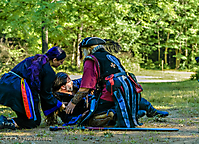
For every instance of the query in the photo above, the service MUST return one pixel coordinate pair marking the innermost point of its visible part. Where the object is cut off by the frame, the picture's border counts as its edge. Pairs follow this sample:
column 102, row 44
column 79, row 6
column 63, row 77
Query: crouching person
column 27, row 84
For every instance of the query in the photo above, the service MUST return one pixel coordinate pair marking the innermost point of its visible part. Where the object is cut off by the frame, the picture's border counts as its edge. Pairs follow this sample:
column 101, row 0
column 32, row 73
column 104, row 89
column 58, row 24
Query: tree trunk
column 158, row 47
column 176, row 58
column 192, row 53
column 166, row 49
column 79, row 37
column 44, row 32
column 165, row 55
column 180, row 51
column 73, row 55
column 186, row 55
column 186, row 49
column 44, row 39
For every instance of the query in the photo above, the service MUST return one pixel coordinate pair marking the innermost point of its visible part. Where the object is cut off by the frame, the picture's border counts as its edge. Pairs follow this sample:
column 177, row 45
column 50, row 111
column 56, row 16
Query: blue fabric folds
column 47, row 112
column 73, row 121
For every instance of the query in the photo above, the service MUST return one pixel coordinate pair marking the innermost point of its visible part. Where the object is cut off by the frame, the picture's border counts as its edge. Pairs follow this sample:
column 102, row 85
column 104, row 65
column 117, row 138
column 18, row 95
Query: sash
column 27, row 98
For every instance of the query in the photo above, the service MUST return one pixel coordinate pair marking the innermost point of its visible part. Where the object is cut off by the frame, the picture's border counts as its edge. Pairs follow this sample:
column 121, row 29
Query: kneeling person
column 100, row 64
column 64, row 89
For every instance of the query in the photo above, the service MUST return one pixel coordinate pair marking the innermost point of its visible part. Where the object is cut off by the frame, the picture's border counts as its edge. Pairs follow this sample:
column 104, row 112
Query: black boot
column 141, row 113
column 151, row 111
column 4, row 123
column 2, row 120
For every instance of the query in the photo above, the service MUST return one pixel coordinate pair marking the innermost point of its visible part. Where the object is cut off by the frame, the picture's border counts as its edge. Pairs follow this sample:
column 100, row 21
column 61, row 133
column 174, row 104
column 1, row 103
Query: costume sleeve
column 89, row 80
column 90, row 75
column 77, row 83
column 48, row 102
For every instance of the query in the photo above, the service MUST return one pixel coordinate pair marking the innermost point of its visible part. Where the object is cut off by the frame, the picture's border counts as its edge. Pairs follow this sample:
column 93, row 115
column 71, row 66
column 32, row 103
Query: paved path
column 139, row 78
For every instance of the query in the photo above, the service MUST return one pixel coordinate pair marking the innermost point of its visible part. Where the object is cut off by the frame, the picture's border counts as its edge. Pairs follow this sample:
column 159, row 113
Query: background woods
column 150, row 32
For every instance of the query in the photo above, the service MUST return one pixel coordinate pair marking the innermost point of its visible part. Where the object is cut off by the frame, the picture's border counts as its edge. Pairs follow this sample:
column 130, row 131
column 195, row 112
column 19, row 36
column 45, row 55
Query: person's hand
column 65, row 103
column 63, row 106
column 70, row 107
column 85, row 113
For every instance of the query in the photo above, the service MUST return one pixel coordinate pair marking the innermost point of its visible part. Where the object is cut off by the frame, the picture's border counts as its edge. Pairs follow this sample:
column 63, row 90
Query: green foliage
column 149, row 65
column 142, row 27
column 131, row 63
column 195, row 76
column 10, row 57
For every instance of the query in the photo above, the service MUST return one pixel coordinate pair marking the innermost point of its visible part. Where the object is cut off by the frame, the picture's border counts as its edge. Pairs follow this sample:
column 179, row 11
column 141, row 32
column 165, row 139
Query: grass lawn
column 180, row 99
column 182, row 96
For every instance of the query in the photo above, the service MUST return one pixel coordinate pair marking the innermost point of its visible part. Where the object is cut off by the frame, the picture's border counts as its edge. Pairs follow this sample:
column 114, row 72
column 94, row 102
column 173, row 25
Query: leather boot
column 151, row 111
column 101, row 119
column 4, row 123
column 141, row 113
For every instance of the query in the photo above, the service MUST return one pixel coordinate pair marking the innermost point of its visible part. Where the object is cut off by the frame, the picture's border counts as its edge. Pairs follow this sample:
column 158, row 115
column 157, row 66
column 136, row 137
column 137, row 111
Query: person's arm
column 89, row 80
column 82, row 92
column 48, row 102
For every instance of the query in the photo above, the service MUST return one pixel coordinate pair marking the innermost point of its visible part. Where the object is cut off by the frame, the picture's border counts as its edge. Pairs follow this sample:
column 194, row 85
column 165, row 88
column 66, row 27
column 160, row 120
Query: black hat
column 108, row 43
column 89, row 41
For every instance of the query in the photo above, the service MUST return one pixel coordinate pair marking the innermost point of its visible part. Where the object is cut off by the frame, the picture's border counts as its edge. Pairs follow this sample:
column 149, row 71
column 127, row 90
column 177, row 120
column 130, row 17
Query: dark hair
column 38, row 61
column 56, row 52
column 33, row 71
column 112, row 46
column 61, row 79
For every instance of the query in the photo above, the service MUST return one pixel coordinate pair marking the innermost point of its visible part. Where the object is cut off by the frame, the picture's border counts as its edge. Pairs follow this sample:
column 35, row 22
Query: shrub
column 195, row 76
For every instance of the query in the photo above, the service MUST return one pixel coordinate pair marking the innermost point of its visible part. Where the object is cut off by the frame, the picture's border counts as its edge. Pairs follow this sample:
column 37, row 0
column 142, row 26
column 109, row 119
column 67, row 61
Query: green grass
column 181, row 96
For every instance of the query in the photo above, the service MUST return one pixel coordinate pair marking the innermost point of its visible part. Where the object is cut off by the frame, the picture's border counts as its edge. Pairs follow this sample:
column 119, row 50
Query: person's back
column 21, row 87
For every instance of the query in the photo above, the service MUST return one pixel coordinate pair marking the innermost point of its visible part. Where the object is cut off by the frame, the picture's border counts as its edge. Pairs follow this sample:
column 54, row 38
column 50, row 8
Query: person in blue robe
column 28, row 84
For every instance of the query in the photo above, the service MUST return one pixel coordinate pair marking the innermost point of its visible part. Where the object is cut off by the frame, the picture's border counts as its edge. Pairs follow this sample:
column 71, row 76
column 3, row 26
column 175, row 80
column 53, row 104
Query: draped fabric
column 126, row 101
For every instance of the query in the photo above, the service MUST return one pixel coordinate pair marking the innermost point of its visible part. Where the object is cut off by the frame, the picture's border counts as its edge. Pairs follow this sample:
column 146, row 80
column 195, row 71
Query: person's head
column 62, row 83
column 56, row 56
column 89, row 43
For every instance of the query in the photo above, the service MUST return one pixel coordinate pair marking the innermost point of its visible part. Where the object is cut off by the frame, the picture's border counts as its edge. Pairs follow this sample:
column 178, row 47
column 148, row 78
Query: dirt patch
column 188, row 133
